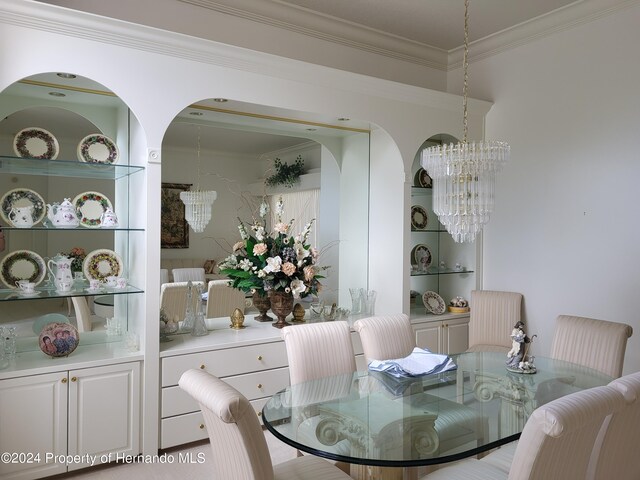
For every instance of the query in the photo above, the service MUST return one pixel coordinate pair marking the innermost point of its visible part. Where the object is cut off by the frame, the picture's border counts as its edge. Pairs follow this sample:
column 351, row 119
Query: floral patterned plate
column 22, row 265
column 100, row 264
column 434, row 303
column 90, row 207
column 422, row 179
column 58, row 339
column 419, row 217
column 97, row 148
column 22, row 197
column 421, row 256
column 34, row 142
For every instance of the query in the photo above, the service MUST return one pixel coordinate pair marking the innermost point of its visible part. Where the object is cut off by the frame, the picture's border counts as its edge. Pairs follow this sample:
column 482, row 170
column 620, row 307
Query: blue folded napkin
column 420, row 362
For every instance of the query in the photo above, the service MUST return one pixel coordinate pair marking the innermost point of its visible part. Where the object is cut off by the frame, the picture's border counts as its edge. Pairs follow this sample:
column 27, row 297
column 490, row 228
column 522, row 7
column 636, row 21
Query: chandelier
column 464, row 174
column 198, row 203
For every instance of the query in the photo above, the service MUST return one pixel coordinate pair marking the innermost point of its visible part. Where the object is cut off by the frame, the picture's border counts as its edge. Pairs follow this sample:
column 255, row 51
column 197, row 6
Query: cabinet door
column 456, row 336
column 33, row 422
column 104, row 412
column 429, row 336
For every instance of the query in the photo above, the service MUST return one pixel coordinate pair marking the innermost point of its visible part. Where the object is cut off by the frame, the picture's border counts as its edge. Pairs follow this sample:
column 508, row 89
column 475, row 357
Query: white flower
column 274, row 264
column 301, row 252
column 279, row 209
column 298, row 287
column 245, row 264
column 264, row 209
column 230, row 262
column 260, row 233
column 262, row 274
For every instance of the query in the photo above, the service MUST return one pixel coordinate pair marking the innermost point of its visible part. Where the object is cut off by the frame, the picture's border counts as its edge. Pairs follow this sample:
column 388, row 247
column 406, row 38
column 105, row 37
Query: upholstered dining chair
column 491, row 319
column 164, row 276
column 239, row 449
column 391, row 336
column 186, row 274
column 173, row 299
column 616, row 452
column 557, row 441
column 222, row 300
column 597, row 344
column 83, row 314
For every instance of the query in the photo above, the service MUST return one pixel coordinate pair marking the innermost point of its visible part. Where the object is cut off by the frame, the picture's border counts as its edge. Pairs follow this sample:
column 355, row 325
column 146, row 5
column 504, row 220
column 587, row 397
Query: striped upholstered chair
column 239, row 449
column 491, row 319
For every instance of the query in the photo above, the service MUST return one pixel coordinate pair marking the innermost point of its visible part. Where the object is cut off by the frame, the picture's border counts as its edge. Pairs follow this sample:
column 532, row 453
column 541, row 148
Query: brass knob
column 259, row 413
column 64, row 380
column 259, row 385
column 202, row 426
column 202, row 367
column 446, row 324
column 74, row 379
column 259, row 357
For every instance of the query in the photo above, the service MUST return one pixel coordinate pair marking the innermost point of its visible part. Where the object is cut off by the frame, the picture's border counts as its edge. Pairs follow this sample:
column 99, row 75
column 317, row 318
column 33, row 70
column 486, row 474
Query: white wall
column 565, row 232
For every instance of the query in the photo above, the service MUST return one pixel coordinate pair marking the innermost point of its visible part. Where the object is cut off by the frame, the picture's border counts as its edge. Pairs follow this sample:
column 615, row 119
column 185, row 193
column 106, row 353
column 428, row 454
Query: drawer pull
column 74, row 379
column 202, row 367
column 259, row 413
column 64, row 380
column 202, row 426
column 260, row 385
column 259, row 357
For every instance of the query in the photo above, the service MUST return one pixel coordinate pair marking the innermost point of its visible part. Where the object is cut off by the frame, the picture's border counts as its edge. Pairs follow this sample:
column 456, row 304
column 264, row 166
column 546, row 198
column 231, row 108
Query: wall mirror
column 238, row 143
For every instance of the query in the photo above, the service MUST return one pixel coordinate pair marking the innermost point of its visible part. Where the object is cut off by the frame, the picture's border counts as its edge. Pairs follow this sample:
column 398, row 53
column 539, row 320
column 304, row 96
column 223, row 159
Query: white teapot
column 63, row 214
column 60, row 269
column 21, row 217
column 108, row 218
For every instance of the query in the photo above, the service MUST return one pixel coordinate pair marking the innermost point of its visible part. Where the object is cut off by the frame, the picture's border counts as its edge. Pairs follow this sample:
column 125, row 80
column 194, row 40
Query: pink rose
column 288, row 269
column 260, row 249
column 281, row 227
column 309, row 272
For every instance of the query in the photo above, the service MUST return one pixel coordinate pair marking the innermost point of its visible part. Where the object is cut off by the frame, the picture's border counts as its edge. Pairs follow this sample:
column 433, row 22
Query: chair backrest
column 222, row 300
column 83, row 313
column 164, row 276
column 317, row 350
column 240, row 451
column 386, row 337
column 492, row 317
column 558, row 438
column 173, row 299
column 186, row 274
column 616, row 452
column 596, row 344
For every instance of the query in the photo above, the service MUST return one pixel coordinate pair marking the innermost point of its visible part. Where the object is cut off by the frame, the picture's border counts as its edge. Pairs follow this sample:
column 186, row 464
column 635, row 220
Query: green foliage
column 287, row 175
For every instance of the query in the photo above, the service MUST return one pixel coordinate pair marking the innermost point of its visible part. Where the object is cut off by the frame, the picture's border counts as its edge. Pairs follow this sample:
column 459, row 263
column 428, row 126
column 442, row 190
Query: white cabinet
column 447, row 335
column 91, row 412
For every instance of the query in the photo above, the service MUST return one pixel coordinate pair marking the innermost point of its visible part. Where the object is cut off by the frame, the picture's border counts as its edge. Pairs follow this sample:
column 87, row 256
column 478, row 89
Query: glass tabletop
column 372, row 418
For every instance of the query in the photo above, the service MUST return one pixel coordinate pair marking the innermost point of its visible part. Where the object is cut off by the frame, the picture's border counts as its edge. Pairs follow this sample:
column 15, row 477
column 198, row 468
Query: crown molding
column 565, row 18
column 331, row 29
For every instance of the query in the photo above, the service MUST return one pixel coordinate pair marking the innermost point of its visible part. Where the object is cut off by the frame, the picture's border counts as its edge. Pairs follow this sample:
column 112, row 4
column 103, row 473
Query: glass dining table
column 374, row 419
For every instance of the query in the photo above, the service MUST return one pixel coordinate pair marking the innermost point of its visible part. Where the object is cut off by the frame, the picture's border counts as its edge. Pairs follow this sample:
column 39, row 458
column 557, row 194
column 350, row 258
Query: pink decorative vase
column 281, row 305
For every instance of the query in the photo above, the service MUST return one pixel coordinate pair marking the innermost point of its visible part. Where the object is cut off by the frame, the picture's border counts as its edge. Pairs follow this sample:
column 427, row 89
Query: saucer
column 62, row 292
column 93, row 290
column 32, row 294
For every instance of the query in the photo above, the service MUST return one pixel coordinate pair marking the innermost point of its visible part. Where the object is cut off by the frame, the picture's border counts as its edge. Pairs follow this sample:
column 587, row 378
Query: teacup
column 63, row 286
column 78, row 276
column 111, row 280
column 121, row 282
column 26, row 286
column 94, row 284
column 20, row 283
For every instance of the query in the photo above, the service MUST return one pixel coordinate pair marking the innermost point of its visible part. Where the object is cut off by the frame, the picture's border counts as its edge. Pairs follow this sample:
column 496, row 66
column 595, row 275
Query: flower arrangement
column 263, row 262
column 286, row 174
column 77, row 256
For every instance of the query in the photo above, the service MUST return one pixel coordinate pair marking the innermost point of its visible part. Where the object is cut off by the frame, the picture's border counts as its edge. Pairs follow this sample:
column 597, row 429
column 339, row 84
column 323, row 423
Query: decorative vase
column 298, row 313
column 263, row 304
column 281, row 305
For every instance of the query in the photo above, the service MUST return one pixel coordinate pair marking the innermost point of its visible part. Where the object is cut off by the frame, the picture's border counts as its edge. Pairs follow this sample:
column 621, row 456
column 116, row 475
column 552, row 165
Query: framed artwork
column 174, row 229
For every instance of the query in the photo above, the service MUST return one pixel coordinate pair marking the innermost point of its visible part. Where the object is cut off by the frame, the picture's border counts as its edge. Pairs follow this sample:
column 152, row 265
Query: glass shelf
column 416, row 191
column 41, row 228
column 11, row 294
column 65, row 168
column 439, row 271
column 429, row 230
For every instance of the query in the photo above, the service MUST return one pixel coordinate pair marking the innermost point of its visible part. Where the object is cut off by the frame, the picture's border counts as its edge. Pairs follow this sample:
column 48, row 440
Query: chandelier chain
column 465, row 68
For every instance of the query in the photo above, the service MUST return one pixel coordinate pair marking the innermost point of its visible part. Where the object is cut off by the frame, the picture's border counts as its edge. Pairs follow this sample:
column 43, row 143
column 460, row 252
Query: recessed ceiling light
column 57, row 94
column 197, row 114
column 343, row 119
column 66, row 75
column 220, row 100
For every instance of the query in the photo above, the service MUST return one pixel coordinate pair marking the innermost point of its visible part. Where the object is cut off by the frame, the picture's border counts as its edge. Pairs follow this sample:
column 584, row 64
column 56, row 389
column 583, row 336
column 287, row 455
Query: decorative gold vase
column 298, row 313
column 281, row 305
column 263, row 304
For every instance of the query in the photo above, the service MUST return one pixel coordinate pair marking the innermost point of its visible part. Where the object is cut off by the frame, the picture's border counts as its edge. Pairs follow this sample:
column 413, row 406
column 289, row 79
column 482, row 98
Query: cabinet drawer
column 223, row 363
column 190, row 427
column 176, row 401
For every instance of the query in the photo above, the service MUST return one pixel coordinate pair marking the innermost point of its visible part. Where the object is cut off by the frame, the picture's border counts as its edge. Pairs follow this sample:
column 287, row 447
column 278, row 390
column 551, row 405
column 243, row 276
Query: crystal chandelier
column 464, row 174
column 198, row 203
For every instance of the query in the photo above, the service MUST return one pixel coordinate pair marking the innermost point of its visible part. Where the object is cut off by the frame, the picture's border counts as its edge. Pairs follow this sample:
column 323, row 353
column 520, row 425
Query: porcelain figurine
column 21, row 217
column 60, row 269
column 63, row 214
column 108, row 218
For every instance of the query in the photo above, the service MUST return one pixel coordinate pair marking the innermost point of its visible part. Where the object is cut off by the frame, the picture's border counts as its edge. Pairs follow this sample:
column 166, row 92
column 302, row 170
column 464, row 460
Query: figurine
column 517, row 359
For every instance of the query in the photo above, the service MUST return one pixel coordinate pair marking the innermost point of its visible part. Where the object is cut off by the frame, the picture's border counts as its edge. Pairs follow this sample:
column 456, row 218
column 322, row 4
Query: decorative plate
column 90, row 207
column 434, row 303
column 34, row 142
column 58, row 339
column 22, row 265
column 422, row 179
column 97, row 148
column 421, row 256
column 100, row 264
column 419, row 218
column 22, row 197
